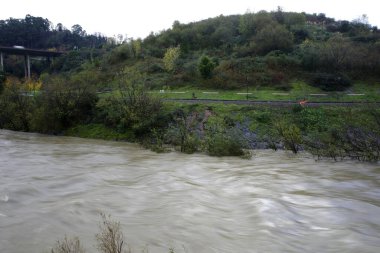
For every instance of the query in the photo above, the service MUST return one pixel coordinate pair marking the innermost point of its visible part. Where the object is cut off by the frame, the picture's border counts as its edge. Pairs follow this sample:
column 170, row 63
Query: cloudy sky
column 140, row 17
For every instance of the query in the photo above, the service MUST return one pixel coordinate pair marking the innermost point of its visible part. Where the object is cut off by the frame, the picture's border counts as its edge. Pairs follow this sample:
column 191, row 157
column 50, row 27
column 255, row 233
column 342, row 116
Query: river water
column 276, row 202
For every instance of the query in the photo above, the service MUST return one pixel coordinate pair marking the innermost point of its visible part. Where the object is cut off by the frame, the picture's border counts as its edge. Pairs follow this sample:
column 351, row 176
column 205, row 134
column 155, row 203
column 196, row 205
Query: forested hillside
column 255, row 49
column 264, row 49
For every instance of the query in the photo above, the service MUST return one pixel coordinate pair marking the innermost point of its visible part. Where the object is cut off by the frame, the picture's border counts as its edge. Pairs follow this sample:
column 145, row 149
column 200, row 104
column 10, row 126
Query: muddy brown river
column 275, row 202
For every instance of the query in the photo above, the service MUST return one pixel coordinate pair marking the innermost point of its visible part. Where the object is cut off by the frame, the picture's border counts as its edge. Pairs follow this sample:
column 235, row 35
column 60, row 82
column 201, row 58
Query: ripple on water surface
column 275, row 202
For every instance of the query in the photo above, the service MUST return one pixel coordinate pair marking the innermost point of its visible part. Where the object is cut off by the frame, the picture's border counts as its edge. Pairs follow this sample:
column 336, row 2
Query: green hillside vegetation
column 265, row 50
column 258, row 51
column 113, row 90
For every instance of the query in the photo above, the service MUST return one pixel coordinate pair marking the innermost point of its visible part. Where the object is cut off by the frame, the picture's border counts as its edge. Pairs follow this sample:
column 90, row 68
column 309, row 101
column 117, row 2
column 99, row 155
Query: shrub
column 111, row 238
column 263, row 117
column 98, row 131
column 328, row 144
column 224, row 141
column 133, row 108
column 352, row 142
column 312, row 119
column 120, row 53
column 155, row 141
column 16, row 108
column 182, row 131
column 206, row 66
column 70, row 61
column 68, row 245
column 362, row 144
column 155, row 68
column 63, row 104
column 278, row 60
column 110, row 113
column 290, row 135
column 331, row 82
column 223, row 144
column 190, row 144
column 273, row 37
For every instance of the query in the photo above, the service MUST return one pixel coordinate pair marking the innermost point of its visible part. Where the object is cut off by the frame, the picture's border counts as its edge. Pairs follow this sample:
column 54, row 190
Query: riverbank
column 217, row 129
column 329, row 131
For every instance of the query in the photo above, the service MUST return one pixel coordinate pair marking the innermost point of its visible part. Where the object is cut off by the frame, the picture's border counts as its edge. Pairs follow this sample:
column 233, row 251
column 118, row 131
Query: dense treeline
column 38, row 32
column 264, row 49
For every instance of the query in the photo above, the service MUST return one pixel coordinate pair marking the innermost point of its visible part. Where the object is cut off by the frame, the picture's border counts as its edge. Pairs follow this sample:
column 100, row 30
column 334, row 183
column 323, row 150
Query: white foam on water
column 4, row 198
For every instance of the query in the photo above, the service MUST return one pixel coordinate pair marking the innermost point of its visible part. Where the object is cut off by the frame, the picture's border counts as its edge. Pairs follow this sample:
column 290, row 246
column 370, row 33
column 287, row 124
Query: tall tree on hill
column 338, row 51
column 170, row 58
column 206, row 66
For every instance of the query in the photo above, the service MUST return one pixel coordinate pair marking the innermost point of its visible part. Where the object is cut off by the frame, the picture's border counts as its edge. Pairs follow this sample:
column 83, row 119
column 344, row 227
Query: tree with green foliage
column 16, row 109
column 224, row 139
column 181, row 131
column 331, row 82
column 171, row 57
column 262, row 19
column 246, row 24
column 63, row 103
column 251, row 23
column 290, row 135
column 78, row 30
column 310, row 54
column 206, row 66
column 294, row 19
column 133, row 108
column 120, row 53
column 273, row 37
column 338, row 51
column 136, row 47
column 279, row 15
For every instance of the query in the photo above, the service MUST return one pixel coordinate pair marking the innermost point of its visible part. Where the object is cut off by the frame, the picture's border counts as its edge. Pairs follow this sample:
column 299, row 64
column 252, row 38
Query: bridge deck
column 30, row 52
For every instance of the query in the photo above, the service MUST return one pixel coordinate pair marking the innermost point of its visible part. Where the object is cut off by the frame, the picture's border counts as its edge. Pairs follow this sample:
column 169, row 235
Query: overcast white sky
column 138, row 18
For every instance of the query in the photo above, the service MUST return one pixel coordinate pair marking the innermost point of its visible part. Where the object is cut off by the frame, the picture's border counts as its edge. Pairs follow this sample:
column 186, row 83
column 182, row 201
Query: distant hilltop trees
column 38, row 32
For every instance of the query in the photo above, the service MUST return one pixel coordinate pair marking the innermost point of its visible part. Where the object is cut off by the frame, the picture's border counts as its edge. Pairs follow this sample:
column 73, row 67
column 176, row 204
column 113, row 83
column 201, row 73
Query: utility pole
column 246, row 81
column 27, row 66
column 1, row 62
column 28, row 62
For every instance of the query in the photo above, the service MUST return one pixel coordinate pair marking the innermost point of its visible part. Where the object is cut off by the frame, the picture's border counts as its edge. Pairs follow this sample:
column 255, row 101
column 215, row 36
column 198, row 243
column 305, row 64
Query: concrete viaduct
column 27, row 53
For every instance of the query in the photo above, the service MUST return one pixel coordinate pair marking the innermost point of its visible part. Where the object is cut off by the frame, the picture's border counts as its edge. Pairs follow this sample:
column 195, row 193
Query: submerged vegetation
column 110, row 239
column 104, row 87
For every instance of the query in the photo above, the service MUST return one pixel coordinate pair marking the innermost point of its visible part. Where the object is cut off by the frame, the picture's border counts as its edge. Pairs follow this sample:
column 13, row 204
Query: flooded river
column 276, row 202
